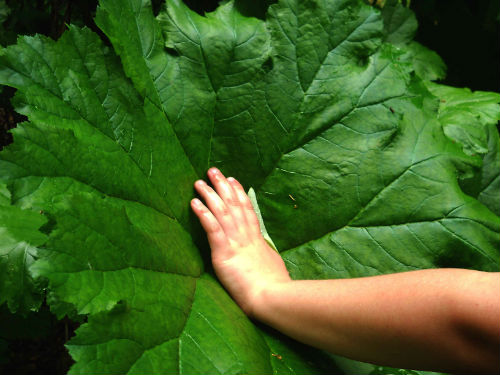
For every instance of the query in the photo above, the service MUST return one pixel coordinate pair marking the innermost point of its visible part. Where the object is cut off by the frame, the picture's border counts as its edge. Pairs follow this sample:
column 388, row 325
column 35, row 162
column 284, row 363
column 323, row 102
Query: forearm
column 412, row 319
column 436, row 319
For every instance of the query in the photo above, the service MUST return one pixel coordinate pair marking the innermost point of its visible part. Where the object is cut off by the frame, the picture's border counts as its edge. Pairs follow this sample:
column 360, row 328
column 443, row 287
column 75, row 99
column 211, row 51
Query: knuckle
column 237, row 185
column 231, row 201
column 224, row 211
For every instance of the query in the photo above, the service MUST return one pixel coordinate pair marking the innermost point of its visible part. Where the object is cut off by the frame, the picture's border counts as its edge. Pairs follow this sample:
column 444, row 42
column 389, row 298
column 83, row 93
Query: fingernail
column 196, row 202
column 213, row 170
column 230, row 179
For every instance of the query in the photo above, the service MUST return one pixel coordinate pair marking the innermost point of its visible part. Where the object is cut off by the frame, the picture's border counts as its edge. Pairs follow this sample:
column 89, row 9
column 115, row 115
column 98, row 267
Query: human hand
column 243, row 261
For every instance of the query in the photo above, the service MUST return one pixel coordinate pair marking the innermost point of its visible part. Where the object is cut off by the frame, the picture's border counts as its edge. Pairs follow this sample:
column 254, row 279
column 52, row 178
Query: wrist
column 266, row 298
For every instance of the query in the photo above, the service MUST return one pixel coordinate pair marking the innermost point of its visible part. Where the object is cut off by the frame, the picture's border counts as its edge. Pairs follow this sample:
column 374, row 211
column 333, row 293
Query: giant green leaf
column 342, row 144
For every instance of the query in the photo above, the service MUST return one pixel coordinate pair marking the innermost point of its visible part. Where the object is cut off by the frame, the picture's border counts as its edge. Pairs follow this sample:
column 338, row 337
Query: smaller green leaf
column 464, row 115
column 400, row 26
column 20, row 237
column 485, row 184
column 400, row 23
column 263, row 230
column 427, row 63
column 490, row 173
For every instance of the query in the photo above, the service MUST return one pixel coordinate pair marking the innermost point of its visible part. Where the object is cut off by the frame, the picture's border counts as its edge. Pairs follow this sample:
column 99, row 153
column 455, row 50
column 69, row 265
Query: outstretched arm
column 441, row 319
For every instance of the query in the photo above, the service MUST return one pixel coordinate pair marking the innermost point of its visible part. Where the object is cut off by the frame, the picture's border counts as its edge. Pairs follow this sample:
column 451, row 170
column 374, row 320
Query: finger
column 246, row 205
column 216, row 236
column 222, row 187
column 228, row 195
column 216, row 206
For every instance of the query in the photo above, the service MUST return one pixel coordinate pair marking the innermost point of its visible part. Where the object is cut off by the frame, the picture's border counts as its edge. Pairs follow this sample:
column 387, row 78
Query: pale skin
column 440, row 319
